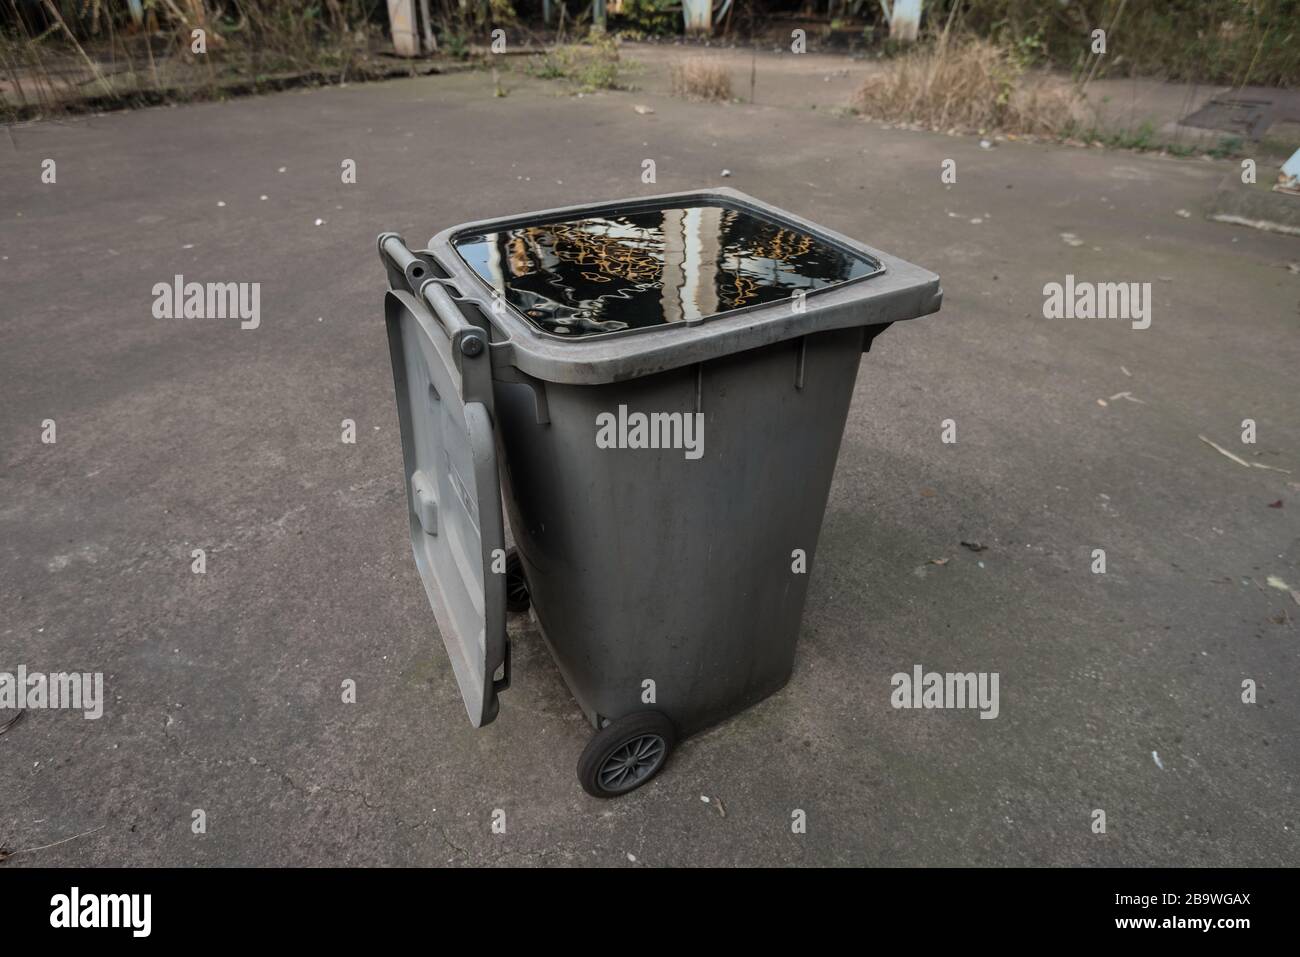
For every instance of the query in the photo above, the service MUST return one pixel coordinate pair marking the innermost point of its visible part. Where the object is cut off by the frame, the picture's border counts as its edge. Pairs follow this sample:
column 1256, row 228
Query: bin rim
column 895, row 291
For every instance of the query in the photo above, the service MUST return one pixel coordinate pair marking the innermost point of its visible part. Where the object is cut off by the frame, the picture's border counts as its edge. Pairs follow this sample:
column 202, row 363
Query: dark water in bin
column 603, row 274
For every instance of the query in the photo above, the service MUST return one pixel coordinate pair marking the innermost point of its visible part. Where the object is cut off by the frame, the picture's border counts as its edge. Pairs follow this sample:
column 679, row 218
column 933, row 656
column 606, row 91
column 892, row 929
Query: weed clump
column 591, row 65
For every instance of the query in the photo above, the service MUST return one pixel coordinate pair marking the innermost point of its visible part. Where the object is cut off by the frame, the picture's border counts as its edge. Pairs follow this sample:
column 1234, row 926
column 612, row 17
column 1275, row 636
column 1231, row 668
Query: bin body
column 648, row 565
column 642, row 564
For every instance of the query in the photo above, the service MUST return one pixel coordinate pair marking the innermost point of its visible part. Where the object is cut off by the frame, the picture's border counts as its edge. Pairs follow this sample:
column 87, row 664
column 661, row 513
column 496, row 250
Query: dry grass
column 699, row 78
column 970, row 85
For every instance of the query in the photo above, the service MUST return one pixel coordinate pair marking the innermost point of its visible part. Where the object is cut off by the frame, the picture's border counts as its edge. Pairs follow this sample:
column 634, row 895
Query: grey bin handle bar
column 433, row 291
column 414, row 275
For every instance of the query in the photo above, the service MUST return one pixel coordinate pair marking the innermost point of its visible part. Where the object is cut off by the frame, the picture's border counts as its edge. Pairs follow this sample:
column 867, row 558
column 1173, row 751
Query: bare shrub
column 969, row 84
column 699, row 78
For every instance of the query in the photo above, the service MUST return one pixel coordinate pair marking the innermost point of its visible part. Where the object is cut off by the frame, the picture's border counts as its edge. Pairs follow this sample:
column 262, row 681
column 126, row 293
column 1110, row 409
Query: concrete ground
column 1120, row 692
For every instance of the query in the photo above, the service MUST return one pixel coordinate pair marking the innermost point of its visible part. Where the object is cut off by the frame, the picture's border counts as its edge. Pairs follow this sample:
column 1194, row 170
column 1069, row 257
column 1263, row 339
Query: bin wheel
column 625, row 754
column 516, row 584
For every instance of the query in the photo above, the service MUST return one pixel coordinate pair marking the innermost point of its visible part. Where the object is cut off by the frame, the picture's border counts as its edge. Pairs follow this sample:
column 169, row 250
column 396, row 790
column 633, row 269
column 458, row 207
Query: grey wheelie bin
column 655, row 388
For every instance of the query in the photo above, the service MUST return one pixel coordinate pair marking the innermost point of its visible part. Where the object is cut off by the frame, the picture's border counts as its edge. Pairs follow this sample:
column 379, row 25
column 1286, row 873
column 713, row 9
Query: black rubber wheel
column 625, row 754
column 516, row 584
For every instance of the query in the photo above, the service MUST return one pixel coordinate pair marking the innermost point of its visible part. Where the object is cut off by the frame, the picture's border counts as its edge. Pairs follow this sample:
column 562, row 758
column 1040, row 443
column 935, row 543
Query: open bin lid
column 453, row 492
column 611, row 291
